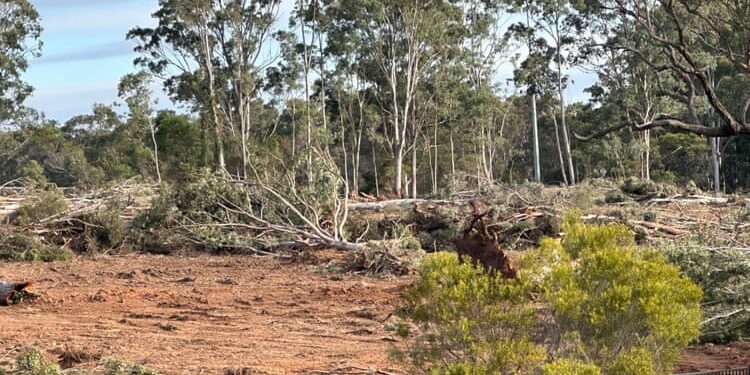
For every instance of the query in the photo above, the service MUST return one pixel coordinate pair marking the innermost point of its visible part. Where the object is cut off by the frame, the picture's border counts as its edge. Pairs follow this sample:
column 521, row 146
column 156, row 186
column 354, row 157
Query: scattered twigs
column 646, row 224
column 697, row 199
column 398, row 203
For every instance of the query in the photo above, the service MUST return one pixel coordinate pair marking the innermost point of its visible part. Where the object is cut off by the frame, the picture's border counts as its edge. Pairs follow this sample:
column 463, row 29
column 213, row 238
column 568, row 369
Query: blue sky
column 85, row 54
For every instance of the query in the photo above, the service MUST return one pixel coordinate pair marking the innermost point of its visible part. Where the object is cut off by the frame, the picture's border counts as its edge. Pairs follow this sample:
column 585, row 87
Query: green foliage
column 686, row 155
column 179, row 141
column 615, row 196
column 32, row 362
column 570, row 367
column 103, row 229
column 640, row 187
column 210, row 198
column 34, row 174
column 63, row 160
column 19, row 41
column 582, row 197
column 462, row 309
column 619, row 297
column 623, row 308
column 116, row 367
column 580, row 237
column 724, row 275
column 44, row 204
column 20, row 247
column 635, row 361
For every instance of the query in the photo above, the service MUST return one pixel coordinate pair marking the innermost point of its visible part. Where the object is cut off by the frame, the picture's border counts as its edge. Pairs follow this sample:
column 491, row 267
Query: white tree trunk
column 535, row 135
column 156, row 148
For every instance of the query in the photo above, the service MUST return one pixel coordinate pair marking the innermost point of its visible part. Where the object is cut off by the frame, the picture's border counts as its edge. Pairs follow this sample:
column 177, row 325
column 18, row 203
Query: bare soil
column 205, row 314
column 211, row 314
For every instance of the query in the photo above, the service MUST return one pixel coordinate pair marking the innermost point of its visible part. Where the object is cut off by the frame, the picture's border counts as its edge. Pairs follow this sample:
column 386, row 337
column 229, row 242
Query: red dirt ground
column 208, row 314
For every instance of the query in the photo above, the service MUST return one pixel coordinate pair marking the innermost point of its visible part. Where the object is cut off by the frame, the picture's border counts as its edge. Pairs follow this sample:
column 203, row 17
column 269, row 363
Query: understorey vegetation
column 382, row 130
column 33, row 361
column 593, row 303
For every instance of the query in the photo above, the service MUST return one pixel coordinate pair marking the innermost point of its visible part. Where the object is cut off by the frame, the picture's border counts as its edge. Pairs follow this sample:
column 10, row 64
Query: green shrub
column 570, row 367
column 724, row 275
column 621, row 298
column 615, row 196
column 20, row 247
column 116, row 367
column 32, row 362
column 44, row 204
column 640, row 187
column 34, row 174
column 459, row 308
column 582, row 197
column 104, row 229
column 592, row 296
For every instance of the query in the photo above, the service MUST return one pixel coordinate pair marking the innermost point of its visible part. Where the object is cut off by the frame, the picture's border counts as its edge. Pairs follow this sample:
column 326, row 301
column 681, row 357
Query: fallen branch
column 403, row 202
column 646, row 224
column 714, row 201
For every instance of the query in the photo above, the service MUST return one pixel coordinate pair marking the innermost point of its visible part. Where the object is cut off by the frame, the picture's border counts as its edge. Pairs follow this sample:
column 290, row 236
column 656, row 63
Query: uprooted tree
column 277, row 207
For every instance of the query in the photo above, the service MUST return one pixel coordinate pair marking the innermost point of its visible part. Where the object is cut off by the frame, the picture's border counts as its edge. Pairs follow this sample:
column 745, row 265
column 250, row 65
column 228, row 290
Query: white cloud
column 117, row 16
column 96, row 52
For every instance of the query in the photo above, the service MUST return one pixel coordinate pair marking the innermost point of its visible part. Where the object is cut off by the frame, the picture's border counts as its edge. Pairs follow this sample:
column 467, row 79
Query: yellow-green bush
column 472, row 322
column 115, row 367
column 567, row 366
column 620, row 298
column 32, row 362
column 593, row 303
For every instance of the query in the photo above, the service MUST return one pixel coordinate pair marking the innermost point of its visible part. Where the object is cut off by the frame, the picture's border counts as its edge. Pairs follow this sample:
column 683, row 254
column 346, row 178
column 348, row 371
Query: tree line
column 402, row 98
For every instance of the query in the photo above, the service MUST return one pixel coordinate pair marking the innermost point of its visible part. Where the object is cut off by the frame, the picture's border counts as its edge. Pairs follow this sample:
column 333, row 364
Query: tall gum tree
column 399, row 42
column 559, row 25
column 691, row 39
column 211, row 53
column 19, row 40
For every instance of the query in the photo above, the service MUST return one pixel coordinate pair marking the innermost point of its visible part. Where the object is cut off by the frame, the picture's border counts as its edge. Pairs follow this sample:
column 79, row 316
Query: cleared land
column 210, row 314
column 207, row 314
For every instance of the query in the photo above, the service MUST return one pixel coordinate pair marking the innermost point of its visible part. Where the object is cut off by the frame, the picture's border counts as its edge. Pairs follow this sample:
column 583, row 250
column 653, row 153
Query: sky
column 85, row 54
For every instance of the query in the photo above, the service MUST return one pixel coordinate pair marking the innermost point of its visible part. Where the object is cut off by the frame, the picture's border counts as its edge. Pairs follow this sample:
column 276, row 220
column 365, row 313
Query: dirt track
column 203, row 314
column 208, row 314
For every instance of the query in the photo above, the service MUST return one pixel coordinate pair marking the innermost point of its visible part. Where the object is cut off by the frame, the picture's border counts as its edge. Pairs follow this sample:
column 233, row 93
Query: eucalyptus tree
column 691, row 39
column 535, row 72
column 212, row 54
column 401, row 47
column 135, row 89
column 557, row 27
column 629, row 84
column 20, row 31
column 688, row 46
